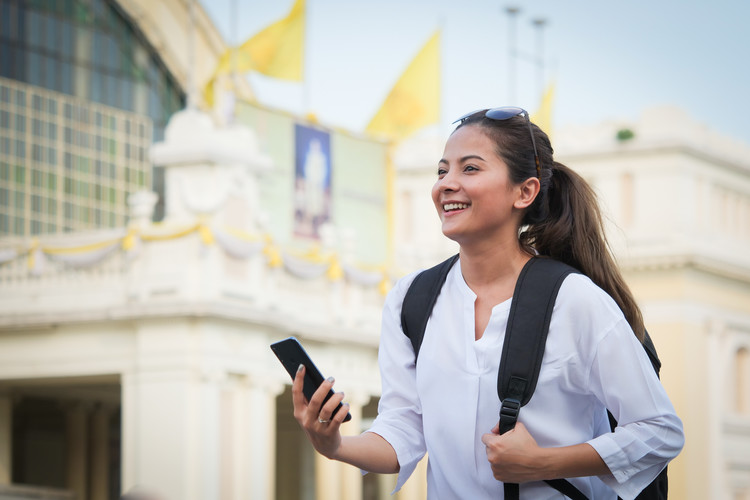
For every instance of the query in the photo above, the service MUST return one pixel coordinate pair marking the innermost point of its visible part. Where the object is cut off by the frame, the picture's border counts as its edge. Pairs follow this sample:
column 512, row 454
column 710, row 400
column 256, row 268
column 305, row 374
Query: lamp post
column 539, row 24
column 512, row 12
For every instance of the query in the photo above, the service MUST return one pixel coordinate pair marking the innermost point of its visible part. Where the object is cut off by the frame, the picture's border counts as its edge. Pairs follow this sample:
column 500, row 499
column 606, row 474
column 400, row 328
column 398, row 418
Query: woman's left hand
column 514, row 456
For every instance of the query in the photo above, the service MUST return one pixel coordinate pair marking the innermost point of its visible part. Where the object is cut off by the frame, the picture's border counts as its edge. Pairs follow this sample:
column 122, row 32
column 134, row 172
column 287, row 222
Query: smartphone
column 291, row 354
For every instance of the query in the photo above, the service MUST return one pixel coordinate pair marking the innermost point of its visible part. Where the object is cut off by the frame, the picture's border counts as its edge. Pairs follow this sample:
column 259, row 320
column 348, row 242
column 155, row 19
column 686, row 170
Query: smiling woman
column 501, row 196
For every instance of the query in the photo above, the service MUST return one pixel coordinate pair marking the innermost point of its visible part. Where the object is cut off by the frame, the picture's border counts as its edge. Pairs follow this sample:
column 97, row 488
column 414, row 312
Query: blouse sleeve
column 399, row 419
column 649, row 433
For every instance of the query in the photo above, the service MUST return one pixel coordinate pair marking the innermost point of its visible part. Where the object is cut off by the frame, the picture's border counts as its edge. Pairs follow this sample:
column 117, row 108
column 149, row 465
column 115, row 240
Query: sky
column 608, row 60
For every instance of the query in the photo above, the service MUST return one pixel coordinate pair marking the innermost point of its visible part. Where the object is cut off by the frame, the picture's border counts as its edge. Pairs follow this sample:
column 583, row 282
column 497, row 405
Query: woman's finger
column 316, row 402
column 326, row 412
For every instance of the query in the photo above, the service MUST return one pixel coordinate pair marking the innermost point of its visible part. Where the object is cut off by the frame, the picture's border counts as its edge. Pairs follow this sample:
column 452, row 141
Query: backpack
column 525, row 336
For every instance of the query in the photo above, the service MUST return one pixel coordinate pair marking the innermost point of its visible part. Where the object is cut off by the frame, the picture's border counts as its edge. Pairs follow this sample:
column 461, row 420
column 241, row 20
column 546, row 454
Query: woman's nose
column 449, row 182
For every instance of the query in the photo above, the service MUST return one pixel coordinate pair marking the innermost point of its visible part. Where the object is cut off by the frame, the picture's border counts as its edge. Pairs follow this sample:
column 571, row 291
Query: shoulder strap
column 528, row 324
column 420, row 299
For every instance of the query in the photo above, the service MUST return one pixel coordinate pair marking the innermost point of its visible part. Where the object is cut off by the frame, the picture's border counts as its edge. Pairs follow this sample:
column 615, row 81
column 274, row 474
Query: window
column 742, row 381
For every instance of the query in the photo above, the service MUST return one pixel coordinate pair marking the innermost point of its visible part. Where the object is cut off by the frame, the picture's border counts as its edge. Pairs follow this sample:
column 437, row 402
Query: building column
column 6, row 432
column 336, row 480
column 77, row 446
column 261, row 438
column 99, row 478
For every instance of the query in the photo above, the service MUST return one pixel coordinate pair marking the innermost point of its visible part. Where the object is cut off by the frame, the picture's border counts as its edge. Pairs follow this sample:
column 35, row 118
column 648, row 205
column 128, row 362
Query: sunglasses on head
column 504, row 113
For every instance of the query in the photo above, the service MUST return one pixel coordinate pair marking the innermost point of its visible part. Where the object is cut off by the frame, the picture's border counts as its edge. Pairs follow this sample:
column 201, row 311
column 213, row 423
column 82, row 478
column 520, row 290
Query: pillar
column 6, row 434
column 77, row 445
column 99, row 477
column 336, row 480
column 261, row 438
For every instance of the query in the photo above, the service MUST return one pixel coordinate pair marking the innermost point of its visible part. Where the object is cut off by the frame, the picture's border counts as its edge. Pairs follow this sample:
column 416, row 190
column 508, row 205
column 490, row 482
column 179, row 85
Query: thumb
column 496, row 429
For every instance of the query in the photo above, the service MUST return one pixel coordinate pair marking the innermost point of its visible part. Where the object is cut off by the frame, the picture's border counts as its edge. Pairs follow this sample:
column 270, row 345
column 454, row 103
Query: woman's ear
column 526, row 193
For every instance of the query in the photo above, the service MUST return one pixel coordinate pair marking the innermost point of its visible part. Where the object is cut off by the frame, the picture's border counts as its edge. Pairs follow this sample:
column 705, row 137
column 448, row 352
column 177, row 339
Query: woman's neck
column 492, row 265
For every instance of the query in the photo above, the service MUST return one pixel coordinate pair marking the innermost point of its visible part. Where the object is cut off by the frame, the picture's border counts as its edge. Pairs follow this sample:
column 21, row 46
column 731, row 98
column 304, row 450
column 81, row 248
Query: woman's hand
column 315, row 417
column 515, row 457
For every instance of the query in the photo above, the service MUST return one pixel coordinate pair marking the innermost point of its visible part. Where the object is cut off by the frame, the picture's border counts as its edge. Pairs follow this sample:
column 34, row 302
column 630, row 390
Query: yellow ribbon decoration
column 272, row 253
column 32, row 251
column 385, row 285
column 82, row 249
column 335, row 272
column 128, row 242
column 179, row 234
column 207, row 237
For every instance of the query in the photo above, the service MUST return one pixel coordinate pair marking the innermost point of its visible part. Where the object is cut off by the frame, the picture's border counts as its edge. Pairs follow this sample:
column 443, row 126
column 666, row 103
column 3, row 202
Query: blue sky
column 610, row 60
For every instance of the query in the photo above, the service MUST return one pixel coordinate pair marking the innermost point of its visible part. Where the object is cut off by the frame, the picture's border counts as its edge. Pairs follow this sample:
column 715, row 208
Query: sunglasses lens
column 504, row 113
column 466, row 116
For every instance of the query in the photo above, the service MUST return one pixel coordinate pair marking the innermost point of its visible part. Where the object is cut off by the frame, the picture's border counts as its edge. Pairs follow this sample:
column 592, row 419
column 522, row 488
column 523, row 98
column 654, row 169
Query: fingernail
column 330, row 379
column 300, row 367
column 342, row 394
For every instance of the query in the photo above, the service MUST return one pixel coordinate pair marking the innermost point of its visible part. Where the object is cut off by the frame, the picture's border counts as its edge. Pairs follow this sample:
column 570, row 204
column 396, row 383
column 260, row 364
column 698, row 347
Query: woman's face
column 473, row 194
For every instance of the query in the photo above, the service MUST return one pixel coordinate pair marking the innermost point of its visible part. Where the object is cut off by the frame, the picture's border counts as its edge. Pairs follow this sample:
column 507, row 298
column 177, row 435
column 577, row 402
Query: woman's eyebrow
column 463, row 159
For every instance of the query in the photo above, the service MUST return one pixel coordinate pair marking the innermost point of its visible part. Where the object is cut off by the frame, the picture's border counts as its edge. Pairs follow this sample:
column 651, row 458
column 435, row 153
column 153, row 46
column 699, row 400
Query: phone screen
column 291, row 354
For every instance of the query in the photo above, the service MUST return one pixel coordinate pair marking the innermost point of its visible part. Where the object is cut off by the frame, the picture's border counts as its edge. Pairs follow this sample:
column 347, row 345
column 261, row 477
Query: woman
column 502, row 198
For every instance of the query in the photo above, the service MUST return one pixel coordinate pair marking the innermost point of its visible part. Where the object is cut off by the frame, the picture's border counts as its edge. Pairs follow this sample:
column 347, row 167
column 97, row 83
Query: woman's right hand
column 315, row 417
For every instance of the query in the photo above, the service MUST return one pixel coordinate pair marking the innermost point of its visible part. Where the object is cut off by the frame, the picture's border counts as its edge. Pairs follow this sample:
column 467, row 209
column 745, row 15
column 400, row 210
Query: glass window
column 20, row 98
column 20, row 175
column 20, row 148
column 4, row 171
column 36, row 127
column 21, row 124
column 68, row 135
column 6, row 63
column 4, row 93
column 36, row 227
column 51, row 72
column 51, row 227
column 52, row 182
column 68, row 186
column 36, row 178
column 68, row 160
column 4, row 197
column 19, row 200
column 18, row 226
column 66, row 46
column 36, row 203
column 51, row 131
column 36, row 152
column 4, row 119
column 33, row 29
column 51, row 206
column 36, row 102
column 52, row 156
column 112, row 196
column 68, row 208
column 51, row 27
column 34, row 69
column 4, row 224
column 4, row 144
column 5, row 19
column 52, row 106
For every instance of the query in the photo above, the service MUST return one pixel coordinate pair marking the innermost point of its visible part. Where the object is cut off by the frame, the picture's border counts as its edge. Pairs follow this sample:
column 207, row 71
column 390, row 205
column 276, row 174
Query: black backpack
column 525, row 337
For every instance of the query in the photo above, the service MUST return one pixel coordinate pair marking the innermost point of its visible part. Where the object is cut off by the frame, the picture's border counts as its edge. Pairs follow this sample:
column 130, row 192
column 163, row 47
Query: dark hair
column 564, row 221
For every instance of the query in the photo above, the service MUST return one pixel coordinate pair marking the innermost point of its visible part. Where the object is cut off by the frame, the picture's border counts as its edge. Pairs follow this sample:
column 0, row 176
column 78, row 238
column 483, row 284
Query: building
column 85, row 87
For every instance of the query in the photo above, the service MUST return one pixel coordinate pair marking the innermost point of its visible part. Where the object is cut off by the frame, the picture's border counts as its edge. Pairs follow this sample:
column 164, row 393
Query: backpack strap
column 526, row 334
column 419, row 300
column 523, row 349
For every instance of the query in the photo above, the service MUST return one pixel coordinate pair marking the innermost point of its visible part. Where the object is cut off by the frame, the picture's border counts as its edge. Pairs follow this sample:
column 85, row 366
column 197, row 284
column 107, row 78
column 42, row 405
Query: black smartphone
column 291, row 354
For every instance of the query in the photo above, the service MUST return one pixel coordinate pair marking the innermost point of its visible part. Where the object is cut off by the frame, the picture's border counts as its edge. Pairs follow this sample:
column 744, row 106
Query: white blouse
column 592, row 362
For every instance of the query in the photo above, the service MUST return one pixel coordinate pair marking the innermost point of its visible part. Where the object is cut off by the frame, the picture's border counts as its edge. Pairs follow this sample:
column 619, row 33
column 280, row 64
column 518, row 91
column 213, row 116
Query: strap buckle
column 509, row 411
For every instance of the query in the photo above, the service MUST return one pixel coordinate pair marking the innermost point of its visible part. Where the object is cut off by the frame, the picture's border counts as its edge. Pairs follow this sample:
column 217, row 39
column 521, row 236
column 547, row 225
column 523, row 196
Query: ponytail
column 571, row 230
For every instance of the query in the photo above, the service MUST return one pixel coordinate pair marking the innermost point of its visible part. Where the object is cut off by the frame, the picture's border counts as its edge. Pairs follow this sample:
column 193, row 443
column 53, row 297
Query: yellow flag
column 543, row 115
column 278, row 50
column 415, row 99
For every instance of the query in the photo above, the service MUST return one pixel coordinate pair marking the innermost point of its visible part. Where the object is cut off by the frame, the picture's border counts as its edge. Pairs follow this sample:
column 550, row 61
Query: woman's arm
column 515, row 457
column 367, row 451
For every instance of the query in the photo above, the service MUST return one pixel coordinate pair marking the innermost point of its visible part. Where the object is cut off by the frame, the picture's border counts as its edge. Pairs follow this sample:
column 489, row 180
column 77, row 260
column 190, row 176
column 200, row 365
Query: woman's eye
column 470, row 168
column 441, row 172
